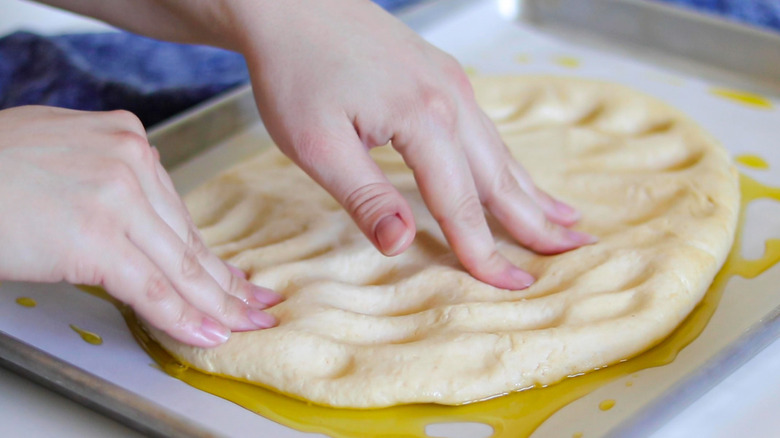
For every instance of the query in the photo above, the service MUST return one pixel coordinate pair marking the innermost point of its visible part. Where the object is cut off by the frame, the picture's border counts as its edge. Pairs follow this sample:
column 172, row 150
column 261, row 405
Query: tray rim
column 756, row 70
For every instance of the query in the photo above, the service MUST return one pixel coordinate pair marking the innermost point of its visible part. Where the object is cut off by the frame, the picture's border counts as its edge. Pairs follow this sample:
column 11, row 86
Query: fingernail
column 520, row 278
column 214, row 331
column 391, row 234
column 580, row 238
column 566, row 209
column 266, row 296
column 261, row 319
column 236, row 271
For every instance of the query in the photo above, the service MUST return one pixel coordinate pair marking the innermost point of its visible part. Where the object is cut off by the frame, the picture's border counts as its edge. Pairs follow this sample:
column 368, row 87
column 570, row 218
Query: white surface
column 34, row 17
column 744, row 404
column 27, row 409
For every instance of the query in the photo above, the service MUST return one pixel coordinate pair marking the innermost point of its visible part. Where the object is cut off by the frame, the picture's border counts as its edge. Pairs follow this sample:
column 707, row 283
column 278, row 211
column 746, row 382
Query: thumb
column 344, row 168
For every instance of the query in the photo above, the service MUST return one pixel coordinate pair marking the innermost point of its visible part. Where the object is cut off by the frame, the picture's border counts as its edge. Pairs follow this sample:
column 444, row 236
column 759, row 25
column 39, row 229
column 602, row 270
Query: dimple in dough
column 362, row 330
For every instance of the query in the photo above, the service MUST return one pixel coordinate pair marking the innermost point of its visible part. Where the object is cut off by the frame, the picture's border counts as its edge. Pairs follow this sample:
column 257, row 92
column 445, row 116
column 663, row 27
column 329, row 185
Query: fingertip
column 511, row 278
column 265, row 296
column 393, row 235
column 501, row 273
column 212, row 332
column 566, row 211
column 517, row 279
column 262, row 319
column 579, row 238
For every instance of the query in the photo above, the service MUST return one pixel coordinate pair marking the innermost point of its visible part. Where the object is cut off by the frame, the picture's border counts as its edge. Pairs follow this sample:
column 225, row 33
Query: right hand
column 84, row 199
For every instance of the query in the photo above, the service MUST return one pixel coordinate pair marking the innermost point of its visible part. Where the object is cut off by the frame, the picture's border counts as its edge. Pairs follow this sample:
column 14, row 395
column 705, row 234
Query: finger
column 517, row 210
column 161, row 194
column 554, row 210
column 224, row 274
column 343, row 167
column 181, row 265
column 521, row 215
column 448, row 189
column 135, row 280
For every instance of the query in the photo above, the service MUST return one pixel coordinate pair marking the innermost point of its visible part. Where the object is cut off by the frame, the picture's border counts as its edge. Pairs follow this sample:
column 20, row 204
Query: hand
column 84, row 198
column 333, row 78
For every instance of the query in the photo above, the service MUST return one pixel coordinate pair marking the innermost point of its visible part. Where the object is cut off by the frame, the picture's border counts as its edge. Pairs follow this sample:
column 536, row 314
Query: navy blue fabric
column 764, row 13
column 156, row 80
column 107, row 71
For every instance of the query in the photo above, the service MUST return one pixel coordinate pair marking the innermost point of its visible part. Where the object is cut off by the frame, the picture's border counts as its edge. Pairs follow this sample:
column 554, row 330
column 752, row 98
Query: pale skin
column 84, row 199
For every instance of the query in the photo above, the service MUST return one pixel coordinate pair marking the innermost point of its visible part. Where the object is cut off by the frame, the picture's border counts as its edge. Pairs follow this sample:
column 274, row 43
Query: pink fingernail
column 266, row 296
column 214, row 331
column 261, row 319
column 236, row 271
column 580, row 238
column 391, row 234
column 520, row 278
column 566, row 209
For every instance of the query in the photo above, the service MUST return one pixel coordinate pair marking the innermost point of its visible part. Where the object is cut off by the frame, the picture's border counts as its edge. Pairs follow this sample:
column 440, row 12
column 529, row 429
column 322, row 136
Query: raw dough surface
column 362, row 330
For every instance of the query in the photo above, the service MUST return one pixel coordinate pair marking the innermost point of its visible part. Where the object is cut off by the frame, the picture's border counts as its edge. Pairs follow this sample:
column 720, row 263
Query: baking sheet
column 485, row 43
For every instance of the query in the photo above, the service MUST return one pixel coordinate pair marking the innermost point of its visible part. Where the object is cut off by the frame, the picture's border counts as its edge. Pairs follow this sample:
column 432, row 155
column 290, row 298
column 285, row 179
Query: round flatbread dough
column 362, row 330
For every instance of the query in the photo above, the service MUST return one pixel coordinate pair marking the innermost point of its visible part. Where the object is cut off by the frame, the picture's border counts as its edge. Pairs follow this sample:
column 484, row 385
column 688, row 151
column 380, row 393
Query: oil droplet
column 743, row 97
column 629, row 383
column 567, row 61
column 752, row 161
column 88, row 337
column 470, row 70
column 26, row 302
column 576, row 435
column 522, row 59
column 514, row 415
column 607, row 404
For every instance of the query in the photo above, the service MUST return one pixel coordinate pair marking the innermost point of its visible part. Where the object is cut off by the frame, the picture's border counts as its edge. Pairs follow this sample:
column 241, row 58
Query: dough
column 362, row 330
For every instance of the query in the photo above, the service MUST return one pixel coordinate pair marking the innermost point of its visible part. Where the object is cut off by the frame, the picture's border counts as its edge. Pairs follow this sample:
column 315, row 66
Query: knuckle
column 227, row 306
column 190, row 265
column 310, row 148
column 157, row 288
column 466, row 213
column 127, row 119
column 503, row 185
column 235, row 286
column 439, row 107
column 368, row 202
column 459, row 79
column 181, row 320
column 121, row 182
column 83, row 271
column 195, row 243
column 134, row 146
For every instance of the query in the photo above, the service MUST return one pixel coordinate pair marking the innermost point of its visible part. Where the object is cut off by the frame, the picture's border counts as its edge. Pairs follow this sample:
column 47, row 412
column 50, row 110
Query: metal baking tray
column 206, row 139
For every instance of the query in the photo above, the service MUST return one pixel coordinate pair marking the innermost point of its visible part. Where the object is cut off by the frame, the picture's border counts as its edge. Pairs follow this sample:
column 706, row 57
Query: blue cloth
column 99, row 72
column 763, row 13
